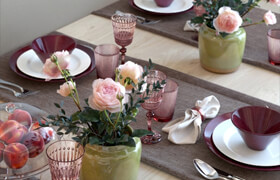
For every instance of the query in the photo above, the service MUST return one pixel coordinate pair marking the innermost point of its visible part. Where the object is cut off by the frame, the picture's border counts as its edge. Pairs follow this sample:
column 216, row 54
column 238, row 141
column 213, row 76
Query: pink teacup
column 257, row 125
column 163, row 3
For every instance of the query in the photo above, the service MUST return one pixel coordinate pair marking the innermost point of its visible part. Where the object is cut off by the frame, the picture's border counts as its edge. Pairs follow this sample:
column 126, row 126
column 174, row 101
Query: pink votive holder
column 65, row 159
column 165, row 111
column 106, row 60
column 273, row 37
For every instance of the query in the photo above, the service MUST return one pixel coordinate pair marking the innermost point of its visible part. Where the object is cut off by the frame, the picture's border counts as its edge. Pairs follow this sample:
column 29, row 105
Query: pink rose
column 199, row 10
column 276, row 2
column 66, row 88
column 269, row 18
column 131, row 70
column 228, row 21
column 51, row 69
column 105, row 95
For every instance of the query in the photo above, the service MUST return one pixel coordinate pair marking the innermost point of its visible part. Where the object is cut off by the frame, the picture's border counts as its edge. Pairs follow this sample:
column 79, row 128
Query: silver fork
column 23, row 91
column 141, row 19
column 16, row 94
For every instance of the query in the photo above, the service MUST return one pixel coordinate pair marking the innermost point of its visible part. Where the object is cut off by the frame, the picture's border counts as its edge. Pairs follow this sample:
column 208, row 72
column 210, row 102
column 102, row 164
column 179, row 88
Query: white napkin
column 191, row 27
column 186, row 130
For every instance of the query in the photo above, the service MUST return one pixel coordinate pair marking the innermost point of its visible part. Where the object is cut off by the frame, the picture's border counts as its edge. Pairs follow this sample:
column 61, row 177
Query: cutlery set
column 210, row 172
column 23, row 92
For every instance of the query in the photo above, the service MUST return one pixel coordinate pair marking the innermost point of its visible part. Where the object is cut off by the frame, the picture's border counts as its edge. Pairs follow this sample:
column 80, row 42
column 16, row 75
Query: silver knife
column 230, row 176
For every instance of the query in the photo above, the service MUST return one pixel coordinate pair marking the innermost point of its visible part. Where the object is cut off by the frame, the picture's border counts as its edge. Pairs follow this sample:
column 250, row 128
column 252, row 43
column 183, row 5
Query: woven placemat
column 168, row 157
column 172, row 26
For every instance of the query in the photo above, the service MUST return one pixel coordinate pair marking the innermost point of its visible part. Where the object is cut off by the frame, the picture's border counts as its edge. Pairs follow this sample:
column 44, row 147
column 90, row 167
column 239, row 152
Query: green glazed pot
column 221, row 54
column 111, row 162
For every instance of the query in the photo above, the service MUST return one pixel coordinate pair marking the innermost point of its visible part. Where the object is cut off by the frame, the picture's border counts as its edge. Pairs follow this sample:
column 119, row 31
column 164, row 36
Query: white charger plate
column 227, row 139
column 30, row 64
column 177, row 6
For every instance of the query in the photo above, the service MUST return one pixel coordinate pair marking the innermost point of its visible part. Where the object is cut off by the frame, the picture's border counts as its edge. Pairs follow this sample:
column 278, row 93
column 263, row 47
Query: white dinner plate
column 227, row 139
column 30, row 64
column 177, row 6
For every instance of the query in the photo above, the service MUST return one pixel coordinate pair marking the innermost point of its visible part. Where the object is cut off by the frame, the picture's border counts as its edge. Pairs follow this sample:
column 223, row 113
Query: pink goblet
column 123, row 26
column 155, row 98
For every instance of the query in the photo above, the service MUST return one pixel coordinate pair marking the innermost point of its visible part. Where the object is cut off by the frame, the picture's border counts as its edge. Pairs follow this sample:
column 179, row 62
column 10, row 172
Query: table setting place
column 74, row 110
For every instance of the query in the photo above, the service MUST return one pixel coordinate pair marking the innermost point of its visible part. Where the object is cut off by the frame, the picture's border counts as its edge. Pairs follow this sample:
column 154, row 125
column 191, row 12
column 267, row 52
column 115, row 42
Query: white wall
column 23, row 20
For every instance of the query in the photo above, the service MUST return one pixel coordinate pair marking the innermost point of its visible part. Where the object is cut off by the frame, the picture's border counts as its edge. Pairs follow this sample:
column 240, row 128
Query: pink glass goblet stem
column 123, row 51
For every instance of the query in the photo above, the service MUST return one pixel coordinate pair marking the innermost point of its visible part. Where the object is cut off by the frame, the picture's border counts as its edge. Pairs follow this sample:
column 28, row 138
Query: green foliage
column 102, row 127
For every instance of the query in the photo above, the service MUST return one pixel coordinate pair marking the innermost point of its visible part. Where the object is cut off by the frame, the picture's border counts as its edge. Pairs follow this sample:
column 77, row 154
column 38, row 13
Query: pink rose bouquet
column 227, row 16
column 106, row 117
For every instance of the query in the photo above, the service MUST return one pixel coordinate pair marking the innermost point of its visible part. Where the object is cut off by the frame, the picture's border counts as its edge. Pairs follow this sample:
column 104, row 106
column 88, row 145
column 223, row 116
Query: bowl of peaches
column 23, row 141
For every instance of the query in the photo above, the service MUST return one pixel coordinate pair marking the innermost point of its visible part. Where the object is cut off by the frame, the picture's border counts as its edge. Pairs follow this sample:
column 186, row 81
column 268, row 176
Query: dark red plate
column 131, row 3
column 14, row 58
column 208, row 140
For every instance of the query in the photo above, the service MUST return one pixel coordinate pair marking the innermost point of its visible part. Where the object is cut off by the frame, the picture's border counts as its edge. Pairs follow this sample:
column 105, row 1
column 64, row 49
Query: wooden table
column 247, row 79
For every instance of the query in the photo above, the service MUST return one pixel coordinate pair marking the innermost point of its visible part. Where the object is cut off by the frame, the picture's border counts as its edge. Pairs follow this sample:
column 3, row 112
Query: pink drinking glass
column 155, row 98
column 273, row 37
column 65, row 159
column 123, row 26
column 165, row 111
column 106, row 60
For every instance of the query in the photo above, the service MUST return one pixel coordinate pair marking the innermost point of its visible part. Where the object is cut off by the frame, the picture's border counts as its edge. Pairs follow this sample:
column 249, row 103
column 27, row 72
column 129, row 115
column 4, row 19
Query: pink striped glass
column 106, row 60
column 273, row 37
column 65, row 159
column 165, row 111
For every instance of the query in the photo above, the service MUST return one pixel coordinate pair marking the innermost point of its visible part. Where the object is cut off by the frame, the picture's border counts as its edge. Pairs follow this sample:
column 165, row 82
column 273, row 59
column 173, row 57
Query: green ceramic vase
column 111, row 162
column 221, row 54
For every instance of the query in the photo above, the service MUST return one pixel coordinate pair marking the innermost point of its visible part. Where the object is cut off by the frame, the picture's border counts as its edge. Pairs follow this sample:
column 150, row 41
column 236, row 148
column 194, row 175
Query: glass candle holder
column 65, row 159
column 273, row 38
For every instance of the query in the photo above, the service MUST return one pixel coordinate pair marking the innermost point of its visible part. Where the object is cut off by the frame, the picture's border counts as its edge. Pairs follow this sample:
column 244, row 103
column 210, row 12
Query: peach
column 34, row 143
column 1, row 122
column 21, row 116
column 2, row 147
column 36, row 125
column 47, row 133
column 16, row 155
column 11, row 131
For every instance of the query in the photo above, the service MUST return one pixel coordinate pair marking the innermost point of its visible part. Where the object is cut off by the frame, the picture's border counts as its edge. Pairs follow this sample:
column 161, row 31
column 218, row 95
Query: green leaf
column 130, row 142
column 75, row 116
column 62, row 111
column 94, row 140
column 57, row 105
column 197, row 20
column 124, row 138
column 89, row 115
column 77, row 139
column 141, row 132
column 61, row 103
column 60, row 133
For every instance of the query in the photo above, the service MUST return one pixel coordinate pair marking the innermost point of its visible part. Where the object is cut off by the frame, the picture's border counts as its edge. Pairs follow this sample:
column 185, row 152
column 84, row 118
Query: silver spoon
column 206, row 170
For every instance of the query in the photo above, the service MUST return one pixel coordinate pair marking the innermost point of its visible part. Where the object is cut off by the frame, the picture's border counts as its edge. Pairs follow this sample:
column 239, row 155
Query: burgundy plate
column 14, row 58
column 131, row 3
column 208, row 140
